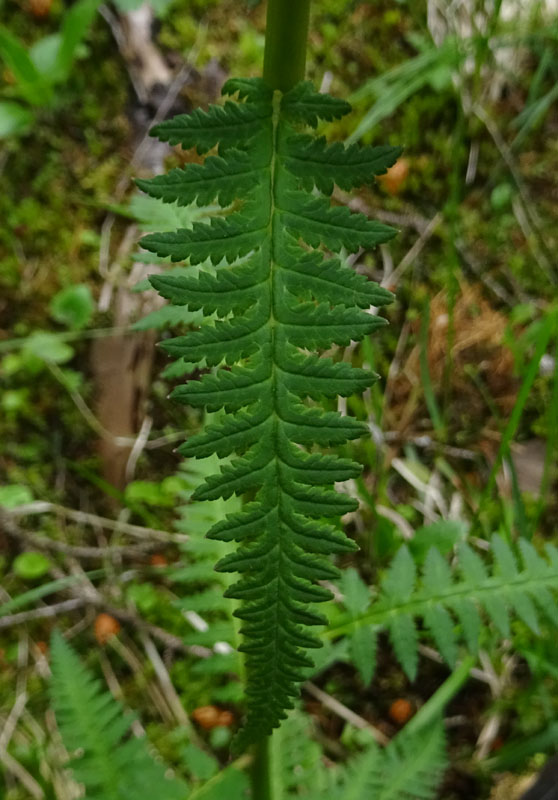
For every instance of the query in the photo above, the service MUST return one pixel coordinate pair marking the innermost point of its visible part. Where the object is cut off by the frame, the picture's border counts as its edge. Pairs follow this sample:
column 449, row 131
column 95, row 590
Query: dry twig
column 85, row 518
column 42, row 612
column 345, row 713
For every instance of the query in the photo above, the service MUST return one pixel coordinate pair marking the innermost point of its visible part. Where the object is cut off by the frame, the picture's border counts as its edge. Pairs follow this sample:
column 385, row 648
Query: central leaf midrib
column 274, row 377
column 468, row 591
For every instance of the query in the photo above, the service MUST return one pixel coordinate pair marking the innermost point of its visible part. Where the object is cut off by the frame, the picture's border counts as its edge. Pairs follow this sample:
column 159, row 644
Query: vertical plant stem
column 285, row 42
column 433, row 709
column 261, row 771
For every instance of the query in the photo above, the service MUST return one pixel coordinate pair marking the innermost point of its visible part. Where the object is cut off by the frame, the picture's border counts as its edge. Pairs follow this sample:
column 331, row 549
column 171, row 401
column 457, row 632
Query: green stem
column 261, row 771
column 285, row 43
column 433, row 709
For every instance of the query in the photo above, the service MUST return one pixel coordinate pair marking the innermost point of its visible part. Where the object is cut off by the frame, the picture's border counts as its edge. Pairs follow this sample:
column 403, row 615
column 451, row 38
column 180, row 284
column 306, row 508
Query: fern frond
column 451, row 602
column 112, row 765
column 204, row 603
column 409, row 768
column 272, row 292
column 296, row 760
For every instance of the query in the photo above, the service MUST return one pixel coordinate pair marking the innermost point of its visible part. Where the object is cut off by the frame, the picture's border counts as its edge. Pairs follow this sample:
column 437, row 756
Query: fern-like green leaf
column 270, row 292
column 112, row 764
column 410, row 768
column 363, row 642
column 451, row 602
column 203, row 603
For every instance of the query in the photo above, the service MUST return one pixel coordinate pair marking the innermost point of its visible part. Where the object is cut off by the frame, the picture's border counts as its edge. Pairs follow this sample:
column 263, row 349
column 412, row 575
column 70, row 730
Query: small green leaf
column 220, row 737
column 72, row 379
column 154, row 215
column 362, row 647
column 18, row 61
column 14, row 119
column 15, row 400
column 228, row 783
column 48, row 347
column 442, row 535
column 150, row 493
column 400, row 579
column 74, row 27
column 31, row 565
column 44, row 54
column 440, row 77
column 20, row 361
column 501, row 196
column 356, row 594
column 15, row 495
column 167, row 317
column 404, row 638
column 73, row 306
column 144, row 596
column 200, row 764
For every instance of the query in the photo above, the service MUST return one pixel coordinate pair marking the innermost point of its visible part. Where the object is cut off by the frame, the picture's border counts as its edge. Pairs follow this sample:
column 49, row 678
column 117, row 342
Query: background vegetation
column 98, row 537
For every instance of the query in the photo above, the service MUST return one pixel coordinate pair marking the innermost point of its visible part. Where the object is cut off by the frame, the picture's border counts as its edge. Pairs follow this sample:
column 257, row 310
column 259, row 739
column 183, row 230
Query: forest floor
column 464, row 419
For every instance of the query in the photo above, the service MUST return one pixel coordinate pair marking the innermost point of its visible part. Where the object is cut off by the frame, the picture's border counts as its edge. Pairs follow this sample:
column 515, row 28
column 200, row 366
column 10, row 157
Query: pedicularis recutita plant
column 264, row 274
